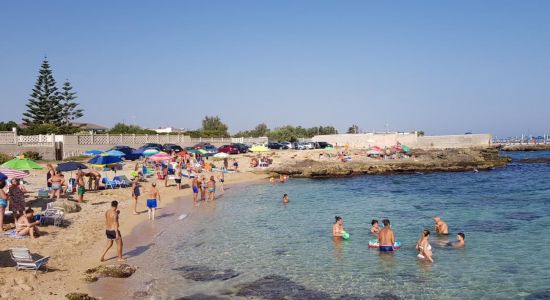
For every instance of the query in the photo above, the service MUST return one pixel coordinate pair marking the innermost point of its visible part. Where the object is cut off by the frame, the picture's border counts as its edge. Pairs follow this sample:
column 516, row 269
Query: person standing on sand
column 222, row 180
column 50, row 174
column 135, row 193
column 81, row 189
column 177, row 178
column 195, row 187
column 112, row 231
column 440, row 226
column 202, row 188
column 235, row 165
column 16, row 198
column 3, row 203
column 386, row 237
column 154, row 196
column 211, row 185
column 57, row 184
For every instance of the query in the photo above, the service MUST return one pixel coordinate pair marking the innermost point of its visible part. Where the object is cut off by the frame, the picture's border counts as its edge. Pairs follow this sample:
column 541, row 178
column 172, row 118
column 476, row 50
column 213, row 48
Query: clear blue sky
column 440, row 66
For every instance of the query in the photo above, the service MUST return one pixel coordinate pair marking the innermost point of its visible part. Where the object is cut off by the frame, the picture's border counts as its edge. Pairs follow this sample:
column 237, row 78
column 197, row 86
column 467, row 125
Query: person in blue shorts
column 154, row 196
column 195, row 187
column 386, row 237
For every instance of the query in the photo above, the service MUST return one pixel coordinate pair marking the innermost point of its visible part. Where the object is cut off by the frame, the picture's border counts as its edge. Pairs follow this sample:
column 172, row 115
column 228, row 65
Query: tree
column 44, row 105
column 8, row 126
column 69, row 108
column 213, row 127
column 353, row 129
column 121, row 128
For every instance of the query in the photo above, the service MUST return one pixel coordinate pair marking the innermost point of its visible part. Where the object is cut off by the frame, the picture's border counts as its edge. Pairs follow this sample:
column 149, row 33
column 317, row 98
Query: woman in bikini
column 338, row 227
column 3, row 203
column 423, row 246
column 25, row 227
column 57, row 183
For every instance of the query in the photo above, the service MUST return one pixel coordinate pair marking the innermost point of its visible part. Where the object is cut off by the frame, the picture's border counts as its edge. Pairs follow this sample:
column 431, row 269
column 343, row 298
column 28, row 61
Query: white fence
column 8, row 138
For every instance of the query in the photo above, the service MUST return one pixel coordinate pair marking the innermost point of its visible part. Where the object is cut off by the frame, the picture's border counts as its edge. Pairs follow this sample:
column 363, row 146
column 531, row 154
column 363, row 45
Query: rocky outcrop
column 116, row 271
column 449, row 160
column 526, row 147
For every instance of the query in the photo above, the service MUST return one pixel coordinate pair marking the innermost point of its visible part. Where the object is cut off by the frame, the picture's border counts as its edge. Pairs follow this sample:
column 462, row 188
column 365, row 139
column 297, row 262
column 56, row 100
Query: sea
column 249, row 244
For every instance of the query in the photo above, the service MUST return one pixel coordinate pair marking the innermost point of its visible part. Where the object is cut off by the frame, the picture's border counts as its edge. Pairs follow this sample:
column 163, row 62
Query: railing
column 8, row 138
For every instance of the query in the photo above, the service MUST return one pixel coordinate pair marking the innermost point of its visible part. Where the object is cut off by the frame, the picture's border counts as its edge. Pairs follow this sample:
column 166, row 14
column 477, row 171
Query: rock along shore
column 526, row 147
column 448, row 160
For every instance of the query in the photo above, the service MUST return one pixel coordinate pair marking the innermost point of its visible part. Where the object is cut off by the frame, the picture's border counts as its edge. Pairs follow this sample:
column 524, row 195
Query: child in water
column 375, row 229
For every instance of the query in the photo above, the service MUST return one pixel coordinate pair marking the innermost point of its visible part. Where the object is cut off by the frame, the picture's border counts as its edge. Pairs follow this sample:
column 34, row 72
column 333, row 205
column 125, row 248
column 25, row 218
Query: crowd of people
column 386, row 237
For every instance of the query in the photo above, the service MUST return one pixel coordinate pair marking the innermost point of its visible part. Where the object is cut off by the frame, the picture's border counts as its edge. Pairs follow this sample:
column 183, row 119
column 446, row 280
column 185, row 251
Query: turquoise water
column 505, row 214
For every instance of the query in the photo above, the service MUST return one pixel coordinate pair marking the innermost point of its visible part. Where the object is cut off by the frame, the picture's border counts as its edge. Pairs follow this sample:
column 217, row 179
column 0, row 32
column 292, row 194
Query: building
column 169, row 130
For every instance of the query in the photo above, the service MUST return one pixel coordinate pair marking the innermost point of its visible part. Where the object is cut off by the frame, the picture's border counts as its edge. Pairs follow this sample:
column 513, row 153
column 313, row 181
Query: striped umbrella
column 12, row 173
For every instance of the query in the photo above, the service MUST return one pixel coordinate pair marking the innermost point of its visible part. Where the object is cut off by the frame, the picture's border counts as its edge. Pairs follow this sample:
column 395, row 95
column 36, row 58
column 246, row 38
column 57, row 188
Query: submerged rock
column 116, row 271
column 79, row 296
column 386, row 296
column 540, row 295
column 202, row 273
column 202, row 297
column 274, row 287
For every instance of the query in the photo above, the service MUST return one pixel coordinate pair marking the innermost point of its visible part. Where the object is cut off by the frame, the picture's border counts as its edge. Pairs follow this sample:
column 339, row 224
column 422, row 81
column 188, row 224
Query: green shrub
column 4, row 157
column 77, row 158
column 32, row 155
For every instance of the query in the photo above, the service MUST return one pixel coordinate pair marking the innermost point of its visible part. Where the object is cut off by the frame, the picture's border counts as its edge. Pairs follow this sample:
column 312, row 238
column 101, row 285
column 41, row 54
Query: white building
column 169, row 130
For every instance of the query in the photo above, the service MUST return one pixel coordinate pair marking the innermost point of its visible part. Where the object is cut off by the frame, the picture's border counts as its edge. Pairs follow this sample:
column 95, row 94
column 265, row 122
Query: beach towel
column 13, row 234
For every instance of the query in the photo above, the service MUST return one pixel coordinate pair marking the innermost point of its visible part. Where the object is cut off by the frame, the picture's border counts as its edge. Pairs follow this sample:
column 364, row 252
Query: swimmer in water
column 375, row 228
column 423, row 246
column 386, row 237
column 285, row 198
column 338, row 227
column 459, row 243
column 440, row 226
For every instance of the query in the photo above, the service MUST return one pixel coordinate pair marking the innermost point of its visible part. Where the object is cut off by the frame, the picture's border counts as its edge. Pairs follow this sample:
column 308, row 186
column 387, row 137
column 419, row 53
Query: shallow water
column 504, row 213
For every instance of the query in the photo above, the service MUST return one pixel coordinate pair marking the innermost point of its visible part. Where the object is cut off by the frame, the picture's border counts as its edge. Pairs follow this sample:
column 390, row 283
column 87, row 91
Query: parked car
column 151, row 146
column 211, row 149
column 229, row 149
column 129, row 152
column 169, row 147
column 323, row 145
column 201, row 145
column 286, row 145
column 274, row 146
column 300, row 146
column 242, row 147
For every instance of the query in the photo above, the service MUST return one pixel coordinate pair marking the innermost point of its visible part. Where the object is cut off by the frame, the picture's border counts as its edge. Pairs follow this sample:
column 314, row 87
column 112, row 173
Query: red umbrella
column 12, row 173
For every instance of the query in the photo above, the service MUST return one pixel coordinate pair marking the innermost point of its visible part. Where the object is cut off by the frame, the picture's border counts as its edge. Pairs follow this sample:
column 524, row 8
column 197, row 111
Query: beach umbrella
column 12, row 173
column 221, row 155
column 70, row 166
column 259, row 148
column 162, row 156
column 376, row 148
column 202, row 152
column 22, row 164
column 406, row 148
column 3, row 177
column 182, row 153
column 373, row 152
column 93, row 152
column 115, row 153
column 105, row 160
column 150, row 151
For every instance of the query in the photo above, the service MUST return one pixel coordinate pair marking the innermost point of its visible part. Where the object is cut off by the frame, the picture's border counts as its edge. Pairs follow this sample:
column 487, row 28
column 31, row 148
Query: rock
column 275, row 287
column 116, row 271
column 68, row 206
column 202, row 273
column 79, row 296
column 528, row 147
column 202, row 297
column 386, row 296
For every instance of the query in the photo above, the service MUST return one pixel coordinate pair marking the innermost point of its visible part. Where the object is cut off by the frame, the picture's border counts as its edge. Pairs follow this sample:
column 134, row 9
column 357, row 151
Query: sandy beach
column 77, row 247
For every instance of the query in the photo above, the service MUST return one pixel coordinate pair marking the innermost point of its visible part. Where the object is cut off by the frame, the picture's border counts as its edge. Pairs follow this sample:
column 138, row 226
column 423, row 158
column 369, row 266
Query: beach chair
column 43, row 193
column 108, row 183
column 24, row 261
column 71, row 185
column 125, row 180
column 120, row 182
column 55, row 214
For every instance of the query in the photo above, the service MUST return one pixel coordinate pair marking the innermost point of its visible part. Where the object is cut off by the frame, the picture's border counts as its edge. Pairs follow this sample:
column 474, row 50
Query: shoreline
column 526, row 147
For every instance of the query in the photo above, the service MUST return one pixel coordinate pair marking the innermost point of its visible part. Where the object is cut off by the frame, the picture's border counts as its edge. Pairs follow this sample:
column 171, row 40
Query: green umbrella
column 22, row 164
column 406, row 148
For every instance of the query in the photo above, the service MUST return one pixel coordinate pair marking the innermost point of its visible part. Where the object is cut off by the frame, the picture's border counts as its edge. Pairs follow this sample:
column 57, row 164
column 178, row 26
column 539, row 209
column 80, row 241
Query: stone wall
column 412, row 140
column 46, row 151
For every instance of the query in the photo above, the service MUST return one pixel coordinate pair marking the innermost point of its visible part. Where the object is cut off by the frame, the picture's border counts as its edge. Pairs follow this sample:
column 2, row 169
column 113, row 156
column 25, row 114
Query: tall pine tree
column 69, row 108
column 44, row 105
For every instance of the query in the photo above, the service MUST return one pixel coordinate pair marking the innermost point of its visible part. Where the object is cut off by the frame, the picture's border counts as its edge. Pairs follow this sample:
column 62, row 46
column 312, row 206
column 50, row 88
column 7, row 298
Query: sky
column 444, row 67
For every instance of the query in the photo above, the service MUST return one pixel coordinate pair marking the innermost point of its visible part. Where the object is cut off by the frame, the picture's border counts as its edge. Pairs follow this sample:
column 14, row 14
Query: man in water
column 285, row 198
column 112, row 232
column 154, row 196
column 386, row 237
column 459, row 243
column 440, row 226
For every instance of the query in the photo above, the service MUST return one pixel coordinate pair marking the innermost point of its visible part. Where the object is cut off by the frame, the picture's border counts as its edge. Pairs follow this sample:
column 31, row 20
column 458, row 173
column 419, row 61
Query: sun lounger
column 24, row 261
column 108, row 183
column 54, row 214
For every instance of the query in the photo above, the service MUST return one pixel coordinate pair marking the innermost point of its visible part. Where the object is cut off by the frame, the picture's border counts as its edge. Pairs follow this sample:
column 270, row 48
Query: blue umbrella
column 115, row 153
column 105, row 160
column 70, row 166
column 93, row 152
column 3, row 177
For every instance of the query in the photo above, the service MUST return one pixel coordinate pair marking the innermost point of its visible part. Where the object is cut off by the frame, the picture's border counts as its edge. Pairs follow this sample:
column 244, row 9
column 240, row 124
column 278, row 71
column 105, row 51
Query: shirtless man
column 440, row 226
column 386, row 237
column 112, row 232
column 285, row 199
column 459, row 243
column 195, row 187
column 81, row 189
column 154, row 196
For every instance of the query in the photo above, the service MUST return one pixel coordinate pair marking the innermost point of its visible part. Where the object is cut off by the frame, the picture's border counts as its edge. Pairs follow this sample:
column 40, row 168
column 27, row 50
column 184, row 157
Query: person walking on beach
column 195, row 187
column 154, row 196
column 211, row 185
column 135, row 193
column 222, row 180
column 112, row 231
column 177, row 178
column 202, row 187
column 386, row 237
column 235, row 165
column 423, row 246
column 440, row 226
